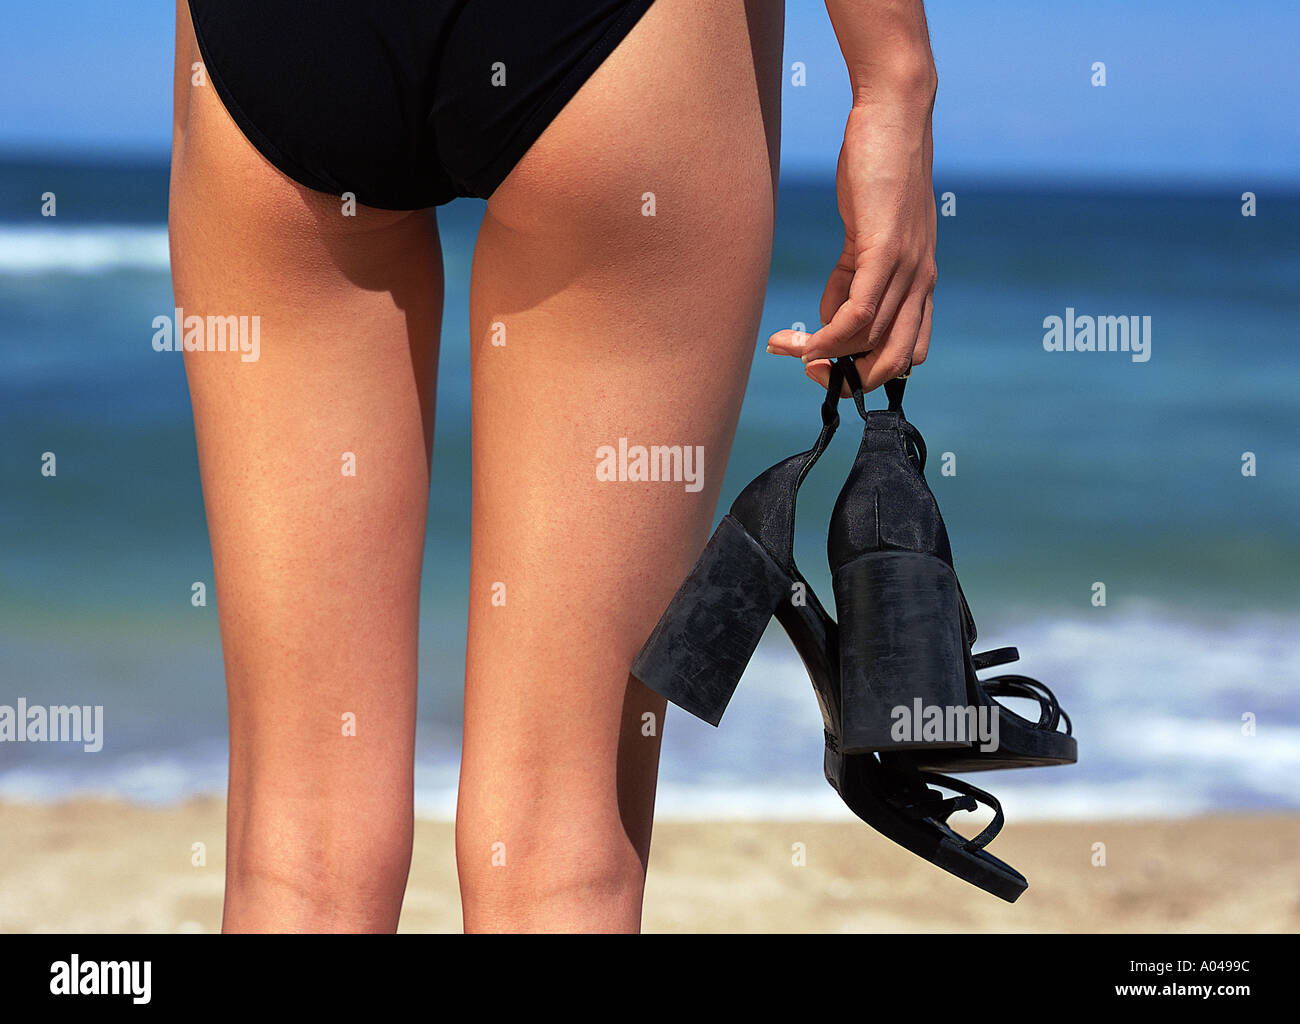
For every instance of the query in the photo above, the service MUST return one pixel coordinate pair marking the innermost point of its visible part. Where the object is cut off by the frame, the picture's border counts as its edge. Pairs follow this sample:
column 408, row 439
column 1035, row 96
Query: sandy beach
column 89, row 866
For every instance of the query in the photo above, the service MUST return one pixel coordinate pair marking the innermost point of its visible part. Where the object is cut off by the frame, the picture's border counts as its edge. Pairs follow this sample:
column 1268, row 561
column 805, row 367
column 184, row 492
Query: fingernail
column 771, row 351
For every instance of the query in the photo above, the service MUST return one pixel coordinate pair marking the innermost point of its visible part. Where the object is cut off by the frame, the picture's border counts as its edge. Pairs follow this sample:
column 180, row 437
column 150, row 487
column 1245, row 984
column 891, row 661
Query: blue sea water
column 1071, row 468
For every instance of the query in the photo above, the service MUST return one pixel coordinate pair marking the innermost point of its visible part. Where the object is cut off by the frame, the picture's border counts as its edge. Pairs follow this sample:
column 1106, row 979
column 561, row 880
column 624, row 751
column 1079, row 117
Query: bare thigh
column 617, row 287
column 314, row 461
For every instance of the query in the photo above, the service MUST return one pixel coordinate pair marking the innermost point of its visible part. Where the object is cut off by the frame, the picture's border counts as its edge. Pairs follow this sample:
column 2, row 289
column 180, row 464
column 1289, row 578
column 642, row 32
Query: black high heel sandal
column 705, row 638
column 906, row 630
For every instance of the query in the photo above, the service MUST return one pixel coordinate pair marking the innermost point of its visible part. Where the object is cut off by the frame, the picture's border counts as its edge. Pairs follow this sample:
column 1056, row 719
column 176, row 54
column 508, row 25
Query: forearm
column 886, row 47
column 877, row 305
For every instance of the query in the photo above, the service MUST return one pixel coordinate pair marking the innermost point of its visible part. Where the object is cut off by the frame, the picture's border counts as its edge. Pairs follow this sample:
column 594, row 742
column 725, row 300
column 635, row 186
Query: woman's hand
column 879, row 297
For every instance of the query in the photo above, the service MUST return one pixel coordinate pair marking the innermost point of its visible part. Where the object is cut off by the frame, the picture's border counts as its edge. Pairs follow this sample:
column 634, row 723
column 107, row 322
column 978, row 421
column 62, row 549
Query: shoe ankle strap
column 893, row 388
column 893, row 391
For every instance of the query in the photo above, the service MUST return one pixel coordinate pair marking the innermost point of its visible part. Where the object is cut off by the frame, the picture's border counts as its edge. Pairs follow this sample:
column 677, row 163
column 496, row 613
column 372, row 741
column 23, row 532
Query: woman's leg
column 623, row 264
column 314, row 461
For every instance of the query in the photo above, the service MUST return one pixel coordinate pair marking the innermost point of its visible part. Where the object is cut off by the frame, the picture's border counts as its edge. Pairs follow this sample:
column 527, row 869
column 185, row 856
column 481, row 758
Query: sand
column 87, row 866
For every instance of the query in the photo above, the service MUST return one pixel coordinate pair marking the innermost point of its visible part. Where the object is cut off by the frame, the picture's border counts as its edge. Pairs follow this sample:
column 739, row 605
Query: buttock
column 405, row 104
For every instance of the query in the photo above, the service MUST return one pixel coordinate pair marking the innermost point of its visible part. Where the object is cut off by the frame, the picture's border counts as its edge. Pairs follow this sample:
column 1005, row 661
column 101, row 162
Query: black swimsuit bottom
column 403, row 103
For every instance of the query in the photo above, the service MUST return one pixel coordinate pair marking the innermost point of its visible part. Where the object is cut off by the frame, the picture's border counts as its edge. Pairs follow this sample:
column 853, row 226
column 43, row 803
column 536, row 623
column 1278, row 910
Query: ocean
column 1171, row 476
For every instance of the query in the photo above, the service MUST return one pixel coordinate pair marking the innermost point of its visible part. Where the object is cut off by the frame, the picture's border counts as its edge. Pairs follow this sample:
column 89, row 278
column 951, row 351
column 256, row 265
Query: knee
column 317, row 867
column 544, row 868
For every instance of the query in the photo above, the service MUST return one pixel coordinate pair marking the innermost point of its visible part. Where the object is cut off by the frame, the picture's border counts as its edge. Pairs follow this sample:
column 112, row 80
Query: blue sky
column 1197, row 90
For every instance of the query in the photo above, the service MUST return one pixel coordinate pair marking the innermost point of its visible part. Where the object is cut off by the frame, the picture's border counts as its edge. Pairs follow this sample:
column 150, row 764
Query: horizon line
column 796, row 175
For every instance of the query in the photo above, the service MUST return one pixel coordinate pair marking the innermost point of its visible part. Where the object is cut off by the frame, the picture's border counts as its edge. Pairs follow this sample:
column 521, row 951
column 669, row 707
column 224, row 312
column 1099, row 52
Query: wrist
column 886, row 47
column 908, row 80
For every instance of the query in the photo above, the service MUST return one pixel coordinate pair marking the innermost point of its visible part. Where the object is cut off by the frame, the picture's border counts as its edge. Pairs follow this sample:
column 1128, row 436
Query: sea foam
column 82, row 250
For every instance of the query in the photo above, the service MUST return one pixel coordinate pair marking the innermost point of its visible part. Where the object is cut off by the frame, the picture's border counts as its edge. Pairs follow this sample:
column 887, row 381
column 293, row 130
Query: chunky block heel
column 901, row 652
column 699, row 649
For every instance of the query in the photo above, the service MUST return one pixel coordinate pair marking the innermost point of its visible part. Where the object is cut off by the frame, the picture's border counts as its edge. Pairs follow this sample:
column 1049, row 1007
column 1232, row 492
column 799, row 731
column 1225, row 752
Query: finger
column 894, row 357
column 835, row 296
column 855, row 314
column 795, row 343
column 922, row 350
column 788, row 342
column 873, row 335
column 820, row 371
column 837, row 284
